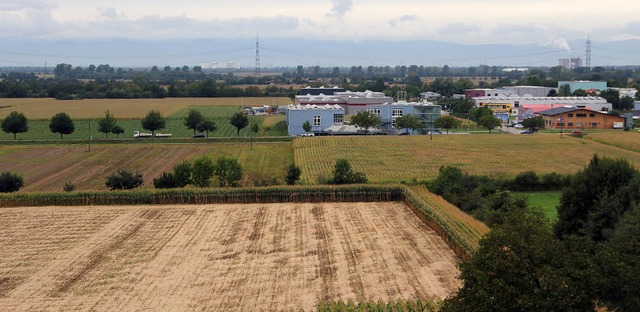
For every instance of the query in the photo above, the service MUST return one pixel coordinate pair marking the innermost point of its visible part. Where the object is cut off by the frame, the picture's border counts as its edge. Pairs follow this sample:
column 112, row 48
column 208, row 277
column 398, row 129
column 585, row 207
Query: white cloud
column 340, row 8
column 403, row 19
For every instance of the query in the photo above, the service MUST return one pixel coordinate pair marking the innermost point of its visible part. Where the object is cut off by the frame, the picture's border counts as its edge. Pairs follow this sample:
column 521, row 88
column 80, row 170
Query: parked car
column 528, row 131
column 308, row 134
column 199, row 135
column 576, row 132
column 518, row 126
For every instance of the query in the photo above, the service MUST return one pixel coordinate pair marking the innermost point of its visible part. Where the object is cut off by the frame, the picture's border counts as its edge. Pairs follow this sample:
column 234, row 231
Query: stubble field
column 218, row 257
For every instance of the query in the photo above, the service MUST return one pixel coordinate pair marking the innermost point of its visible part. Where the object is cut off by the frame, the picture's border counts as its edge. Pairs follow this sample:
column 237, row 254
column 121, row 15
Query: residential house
column 571, row 117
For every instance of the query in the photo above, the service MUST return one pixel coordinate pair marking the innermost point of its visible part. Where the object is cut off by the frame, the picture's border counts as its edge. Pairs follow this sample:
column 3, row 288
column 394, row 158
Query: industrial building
column 329, row 119
column 352, row 102
column 527, row 91
column 570, row 63
column 321, row 90
column 524, row 107
column 583, row 85
column 570, row 117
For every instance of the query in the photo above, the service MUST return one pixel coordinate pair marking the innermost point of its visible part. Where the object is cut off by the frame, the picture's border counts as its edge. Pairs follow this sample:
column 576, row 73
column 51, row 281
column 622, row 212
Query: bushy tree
column 117, row 130
column 344, row 174
column 240, row 121
column 534, row 123
column 447, row 122
column 228, row 171
column 519, row 266
column 10, row 182
column 293, row 174
column 365, row 120
column 15, row 123
column 124, row 180
column 61, row 123
column 153, row 122
column 182, row 173
column 107, row 124
column 592, row 204
column 407, row 122
column 202, row 171
column 207, row 125
column 489, row 122
column 306, row 126
column 165, row 180
column 193, row 119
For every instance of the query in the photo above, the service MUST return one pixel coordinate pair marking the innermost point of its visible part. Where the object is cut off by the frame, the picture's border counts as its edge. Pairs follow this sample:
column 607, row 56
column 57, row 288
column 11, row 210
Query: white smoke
column 560, row 43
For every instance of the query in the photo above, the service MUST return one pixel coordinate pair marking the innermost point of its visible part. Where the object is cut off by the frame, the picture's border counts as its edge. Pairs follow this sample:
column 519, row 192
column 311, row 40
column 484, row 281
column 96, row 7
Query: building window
column 594, row 125
column 375, row 111
column 581, row 115
column 396, row 112
column 561, row 124
column 592, row 115
column 338, row 119
column 316, row 120
column 570, row 115
column 570, row 124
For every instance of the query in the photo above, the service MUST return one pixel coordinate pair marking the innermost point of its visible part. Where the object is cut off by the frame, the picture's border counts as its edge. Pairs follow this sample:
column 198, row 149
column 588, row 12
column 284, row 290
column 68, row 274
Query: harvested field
column 218, row 257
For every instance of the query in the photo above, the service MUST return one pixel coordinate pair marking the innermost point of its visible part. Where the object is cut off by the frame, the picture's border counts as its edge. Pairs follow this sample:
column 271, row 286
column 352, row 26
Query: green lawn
column 548, row 201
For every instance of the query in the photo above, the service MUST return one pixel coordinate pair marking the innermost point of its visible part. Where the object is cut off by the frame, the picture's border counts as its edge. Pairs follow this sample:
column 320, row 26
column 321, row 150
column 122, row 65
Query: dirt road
column 218, row 257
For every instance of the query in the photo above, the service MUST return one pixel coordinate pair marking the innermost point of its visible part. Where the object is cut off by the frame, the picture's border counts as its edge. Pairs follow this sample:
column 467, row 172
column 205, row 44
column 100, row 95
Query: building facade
column 388, row 113
column 579, row 118
column 320, row 117
column 352, row 102
column 519, row 106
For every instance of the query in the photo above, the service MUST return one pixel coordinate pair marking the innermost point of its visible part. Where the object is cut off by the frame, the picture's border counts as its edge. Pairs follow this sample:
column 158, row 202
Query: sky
column 547, row 23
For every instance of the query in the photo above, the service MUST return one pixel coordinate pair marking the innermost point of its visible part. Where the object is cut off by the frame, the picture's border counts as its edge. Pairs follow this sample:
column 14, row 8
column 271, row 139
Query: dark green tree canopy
column 534, row 123
column 365, row 120
column 193, row 119
column 15, row 123
column 117, row 130
column 153, row 122
column 409, row 122
column 447, row 122
column 489, row 122
column 293, row 174
column 240, row 121
column 124, row 180
column 202, row 171
column 10, row 182
column 207, row 125
column 344, row 174
column 228, row 171
column 306, row 126
column 107, row 124
column 61, row 123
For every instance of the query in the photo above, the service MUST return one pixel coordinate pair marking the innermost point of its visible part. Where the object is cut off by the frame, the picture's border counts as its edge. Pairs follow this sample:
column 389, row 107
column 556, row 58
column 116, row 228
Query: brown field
column 49, row 167
column 129, row 108
column 218, row 257
column 624, row 139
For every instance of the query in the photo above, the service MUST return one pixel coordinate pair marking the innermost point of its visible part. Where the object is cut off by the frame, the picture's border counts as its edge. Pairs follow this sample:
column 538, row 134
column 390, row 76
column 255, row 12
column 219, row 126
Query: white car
column 308, row 134
column 518, row 126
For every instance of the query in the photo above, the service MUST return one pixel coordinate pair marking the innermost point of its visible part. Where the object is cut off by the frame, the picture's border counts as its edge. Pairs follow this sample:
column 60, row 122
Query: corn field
column 394, row 306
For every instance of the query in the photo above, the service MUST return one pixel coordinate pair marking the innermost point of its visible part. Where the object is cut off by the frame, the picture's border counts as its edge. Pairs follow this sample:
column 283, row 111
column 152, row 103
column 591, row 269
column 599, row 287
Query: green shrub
column 293, row 174
column 165, row 180
column 124, row 180
column 10, row 182
column 68, row 187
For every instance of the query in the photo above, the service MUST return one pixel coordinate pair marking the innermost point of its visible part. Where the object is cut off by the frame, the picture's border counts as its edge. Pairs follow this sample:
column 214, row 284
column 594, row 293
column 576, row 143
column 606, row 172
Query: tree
column 182, row 174
column 165, row 180
column 306, row 126
column 240, row 121
column 489, row 122
column 153, row 121
column 117, row 130
column 10, row 182
column 202, row 171
column 533, row 123
column 61, row 123
column 124, row 180
column 409, row 122
column 228, row 171
column 365, row 120
column 207, row 125
column 193, row 119
column 107, row 124
column 15, row 123
column 255, row 128
column 476, row 112
column 520, row 266
column 293, row 174
column 593, row 203
column 447, row 122
column 344, row 174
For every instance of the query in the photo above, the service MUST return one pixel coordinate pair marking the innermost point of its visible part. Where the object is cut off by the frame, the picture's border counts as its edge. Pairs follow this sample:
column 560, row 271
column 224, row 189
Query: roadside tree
column 407, row 122
column 153, row 122
column 117, row 130
column 447, row 122
column 61, row 123
column 365, row 120
column 207, row 125
column 533, row 123
column 240, row 121
column 193, row 119
column 489, row 122
column 15, row 123
column 107, row 124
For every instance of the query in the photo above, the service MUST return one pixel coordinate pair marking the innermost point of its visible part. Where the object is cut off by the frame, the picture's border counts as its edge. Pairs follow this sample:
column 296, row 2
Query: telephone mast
column 257, row 73
column 588, row 53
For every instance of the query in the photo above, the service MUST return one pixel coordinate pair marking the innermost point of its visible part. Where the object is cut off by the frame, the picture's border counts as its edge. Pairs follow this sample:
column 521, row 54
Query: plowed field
column 218, row 257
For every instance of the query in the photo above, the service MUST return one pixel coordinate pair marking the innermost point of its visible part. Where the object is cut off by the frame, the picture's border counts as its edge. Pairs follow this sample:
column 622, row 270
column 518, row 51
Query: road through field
column 218, row 257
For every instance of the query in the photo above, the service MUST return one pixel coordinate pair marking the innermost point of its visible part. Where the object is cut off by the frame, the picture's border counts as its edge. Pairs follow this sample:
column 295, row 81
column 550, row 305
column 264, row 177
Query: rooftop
column 315, row 107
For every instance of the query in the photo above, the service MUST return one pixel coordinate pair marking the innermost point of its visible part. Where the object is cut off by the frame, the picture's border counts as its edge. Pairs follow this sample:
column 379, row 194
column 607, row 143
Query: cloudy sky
column 549, row 23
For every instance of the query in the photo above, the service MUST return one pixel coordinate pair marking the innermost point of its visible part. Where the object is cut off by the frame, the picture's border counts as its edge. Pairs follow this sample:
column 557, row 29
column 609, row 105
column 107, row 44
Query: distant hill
column 306, row 52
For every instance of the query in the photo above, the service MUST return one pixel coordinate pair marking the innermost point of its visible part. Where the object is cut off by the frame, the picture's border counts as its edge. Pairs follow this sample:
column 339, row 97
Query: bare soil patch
column 218, row 257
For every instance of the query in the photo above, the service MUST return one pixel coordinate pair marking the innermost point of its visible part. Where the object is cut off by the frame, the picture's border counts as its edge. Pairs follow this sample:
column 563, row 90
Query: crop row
column 394, row 306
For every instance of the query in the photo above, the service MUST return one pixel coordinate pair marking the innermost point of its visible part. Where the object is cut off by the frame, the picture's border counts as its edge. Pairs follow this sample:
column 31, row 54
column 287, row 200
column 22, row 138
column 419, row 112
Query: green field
column 547, row 201
column 39, row 129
